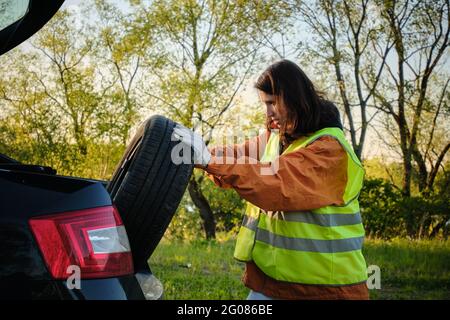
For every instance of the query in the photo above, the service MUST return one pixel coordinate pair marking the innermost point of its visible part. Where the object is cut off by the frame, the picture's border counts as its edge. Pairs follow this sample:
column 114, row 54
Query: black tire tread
column 152, row 188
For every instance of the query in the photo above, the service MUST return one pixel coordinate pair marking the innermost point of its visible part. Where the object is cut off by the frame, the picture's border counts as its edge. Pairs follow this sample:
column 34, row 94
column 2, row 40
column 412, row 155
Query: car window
column 12, row 11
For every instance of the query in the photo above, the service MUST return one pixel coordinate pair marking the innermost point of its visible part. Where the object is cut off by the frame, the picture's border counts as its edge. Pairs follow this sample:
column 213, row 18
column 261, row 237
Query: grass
column 411, row 269
column 207, row 270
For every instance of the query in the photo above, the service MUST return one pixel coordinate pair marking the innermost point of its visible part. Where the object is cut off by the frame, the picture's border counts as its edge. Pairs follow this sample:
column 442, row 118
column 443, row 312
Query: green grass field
column 207, row 270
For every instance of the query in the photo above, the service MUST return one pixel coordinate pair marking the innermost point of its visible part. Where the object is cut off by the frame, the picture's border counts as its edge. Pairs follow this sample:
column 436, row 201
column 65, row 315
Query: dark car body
column 31, row 193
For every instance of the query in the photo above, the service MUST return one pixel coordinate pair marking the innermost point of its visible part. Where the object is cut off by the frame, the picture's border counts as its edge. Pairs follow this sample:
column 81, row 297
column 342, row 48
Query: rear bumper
column 119, row 288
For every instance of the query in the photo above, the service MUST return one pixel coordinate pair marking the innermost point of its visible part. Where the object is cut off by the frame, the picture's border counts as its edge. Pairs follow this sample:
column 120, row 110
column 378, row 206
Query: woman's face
column 275, row 113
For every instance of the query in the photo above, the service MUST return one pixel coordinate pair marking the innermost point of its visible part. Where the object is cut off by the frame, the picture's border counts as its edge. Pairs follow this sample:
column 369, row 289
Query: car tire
column 147, row 187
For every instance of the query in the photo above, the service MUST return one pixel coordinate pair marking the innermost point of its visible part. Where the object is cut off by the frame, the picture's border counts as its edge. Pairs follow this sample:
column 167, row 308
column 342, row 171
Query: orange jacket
column 306, row 179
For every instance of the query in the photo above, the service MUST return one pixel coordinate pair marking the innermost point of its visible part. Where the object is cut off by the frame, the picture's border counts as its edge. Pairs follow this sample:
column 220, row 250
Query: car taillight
column 94, row 239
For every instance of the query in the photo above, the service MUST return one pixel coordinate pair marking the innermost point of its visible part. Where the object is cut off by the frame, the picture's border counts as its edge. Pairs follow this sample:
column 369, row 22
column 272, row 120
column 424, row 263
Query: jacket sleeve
column 251, row 150
column 306, row 179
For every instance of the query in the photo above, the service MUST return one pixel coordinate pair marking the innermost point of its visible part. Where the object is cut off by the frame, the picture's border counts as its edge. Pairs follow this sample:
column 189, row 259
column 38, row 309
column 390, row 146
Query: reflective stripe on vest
column 321, row 246
column 325, row 220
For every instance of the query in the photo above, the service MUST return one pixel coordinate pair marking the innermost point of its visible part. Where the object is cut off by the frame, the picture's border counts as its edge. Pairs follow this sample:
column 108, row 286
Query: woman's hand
column 201, row 156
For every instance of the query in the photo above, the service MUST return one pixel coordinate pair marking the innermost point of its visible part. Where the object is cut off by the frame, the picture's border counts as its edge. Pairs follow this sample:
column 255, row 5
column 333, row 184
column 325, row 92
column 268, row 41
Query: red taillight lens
column 95, row 240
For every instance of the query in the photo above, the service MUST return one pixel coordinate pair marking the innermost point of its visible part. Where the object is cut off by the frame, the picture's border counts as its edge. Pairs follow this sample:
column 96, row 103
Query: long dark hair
column 307, row 108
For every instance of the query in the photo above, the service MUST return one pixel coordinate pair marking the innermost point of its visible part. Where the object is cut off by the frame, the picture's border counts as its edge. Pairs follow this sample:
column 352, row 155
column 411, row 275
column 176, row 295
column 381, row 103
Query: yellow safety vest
column 321, row 246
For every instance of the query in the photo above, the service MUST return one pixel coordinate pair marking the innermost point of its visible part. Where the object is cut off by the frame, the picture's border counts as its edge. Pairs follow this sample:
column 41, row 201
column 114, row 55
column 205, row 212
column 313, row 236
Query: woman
column 301, row 236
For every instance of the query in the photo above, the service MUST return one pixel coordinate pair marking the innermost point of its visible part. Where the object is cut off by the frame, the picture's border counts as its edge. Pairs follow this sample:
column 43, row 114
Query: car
column 76, row 238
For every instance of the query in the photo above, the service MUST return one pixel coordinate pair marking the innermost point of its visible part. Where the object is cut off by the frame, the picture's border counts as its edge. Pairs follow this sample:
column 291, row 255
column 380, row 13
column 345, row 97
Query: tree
column 420, row 36
column 58, row 102
column 30, row 130
column 120, row 57
column 342, row 31
column 70, row 86
column 202, row 53
column 51, row 94
column 386, row 55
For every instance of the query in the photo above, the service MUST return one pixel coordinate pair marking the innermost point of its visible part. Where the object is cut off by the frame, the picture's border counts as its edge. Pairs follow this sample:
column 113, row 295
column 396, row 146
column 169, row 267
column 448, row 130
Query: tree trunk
column 436, row 166
column 423, row 172
column 407, row 174
column 209, row 223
